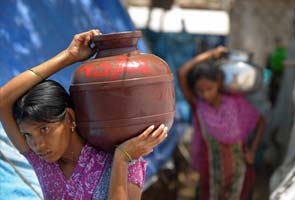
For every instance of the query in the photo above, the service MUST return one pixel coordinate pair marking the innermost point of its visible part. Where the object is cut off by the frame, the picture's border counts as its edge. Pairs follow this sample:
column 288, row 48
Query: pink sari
column 218, row 144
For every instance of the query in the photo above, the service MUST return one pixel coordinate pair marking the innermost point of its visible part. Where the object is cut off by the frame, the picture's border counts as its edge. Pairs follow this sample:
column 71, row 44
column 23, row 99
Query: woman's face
column 48, row 140
column 208, row 90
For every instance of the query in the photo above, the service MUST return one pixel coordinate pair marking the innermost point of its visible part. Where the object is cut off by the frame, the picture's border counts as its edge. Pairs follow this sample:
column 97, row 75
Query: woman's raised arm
column 78, row 50
column 187, row 66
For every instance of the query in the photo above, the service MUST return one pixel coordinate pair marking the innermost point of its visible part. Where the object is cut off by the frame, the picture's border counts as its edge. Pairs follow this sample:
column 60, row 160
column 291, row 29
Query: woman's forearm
column 258, row 136
column 78, row 50
column 119, row 178
column 20, row 84
column 185, row 68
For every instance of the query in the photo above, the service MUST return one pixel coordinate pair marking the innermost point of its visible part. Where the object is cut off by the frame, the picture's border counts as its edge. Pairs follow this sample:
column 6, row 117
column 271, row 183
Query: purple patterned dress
column 90, row 178
column 220, row 135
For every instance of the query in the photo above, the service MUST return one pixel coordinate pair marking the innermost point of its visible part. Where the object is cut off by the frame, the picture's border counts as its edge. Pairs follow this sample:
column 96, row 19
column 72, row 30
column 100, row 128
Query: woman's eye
column 27, row 135
column 44, row 129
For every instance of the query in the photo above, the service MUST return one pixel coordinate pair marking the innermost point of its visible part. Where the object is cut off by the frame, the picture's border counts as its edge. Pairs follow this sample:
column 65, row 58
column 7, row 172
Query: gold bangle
column 37, row 74
column 125, row 152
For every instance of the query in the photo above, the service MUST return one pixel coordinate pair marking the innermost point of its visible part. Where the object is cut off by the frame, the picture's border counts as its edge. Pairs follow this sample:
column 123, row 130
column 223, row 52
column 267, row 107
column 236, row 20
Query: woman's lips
column 45, row 154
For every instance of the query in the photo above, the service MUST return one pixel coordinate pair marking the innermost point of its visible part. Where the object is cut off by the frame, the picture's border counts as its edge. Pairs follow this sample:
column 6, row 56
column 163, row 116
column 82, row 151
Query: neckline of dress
column 77, row 166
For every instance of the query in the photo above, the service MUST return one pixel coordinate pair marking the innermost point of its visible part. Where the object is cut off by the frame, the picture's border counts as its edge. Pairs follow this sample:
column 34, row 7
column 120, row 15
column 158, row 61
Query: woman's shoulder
column 233, row 97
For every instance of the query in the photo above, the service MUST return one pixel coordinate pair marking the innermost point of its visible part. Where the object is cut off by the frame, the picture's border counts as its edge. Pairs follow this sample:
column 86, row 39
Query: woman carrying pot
column 222, row 124
column 39, row 119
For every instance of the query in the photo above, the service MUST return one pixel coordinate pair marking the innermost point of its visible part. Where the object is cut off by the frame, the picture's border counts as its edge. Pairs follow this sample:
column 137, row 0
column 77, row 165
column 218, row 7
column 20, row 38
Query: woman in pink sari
column 39, row 119
column 222, row 124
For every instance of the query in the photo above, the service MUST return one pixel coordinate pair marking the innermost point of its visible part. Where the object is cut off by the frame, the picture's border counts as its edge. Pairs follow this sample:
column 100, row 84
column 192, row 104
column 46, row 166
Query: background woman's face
column 207, row 89
column 48, row 140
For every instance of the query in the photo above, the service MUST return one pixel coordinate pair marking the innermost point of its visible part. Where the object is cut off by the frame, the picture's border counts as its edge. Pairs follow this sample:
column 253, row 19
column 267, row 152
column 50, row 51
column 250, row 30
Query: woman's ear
column 70, row 115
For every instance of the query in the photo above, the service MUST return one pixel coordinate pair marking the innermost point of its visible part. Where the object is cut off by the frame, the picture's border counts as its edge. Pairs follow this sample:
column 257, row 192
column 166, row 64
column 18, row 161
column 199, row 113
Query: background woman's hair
column 206, row 70
column 46, row 102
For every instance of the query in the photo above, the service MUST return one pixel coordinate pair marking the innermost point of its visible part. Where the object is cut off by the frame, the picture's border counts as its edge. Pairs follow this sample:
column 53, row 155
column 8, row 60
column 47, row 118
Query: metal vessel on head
column 121, row 92
column 241, row 75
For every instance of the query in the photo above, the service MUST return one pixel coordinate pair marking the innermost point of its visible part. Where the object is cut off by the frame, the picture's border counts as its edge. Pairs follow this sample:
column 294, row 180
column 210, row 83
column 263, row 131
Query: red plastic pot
column 121, row 92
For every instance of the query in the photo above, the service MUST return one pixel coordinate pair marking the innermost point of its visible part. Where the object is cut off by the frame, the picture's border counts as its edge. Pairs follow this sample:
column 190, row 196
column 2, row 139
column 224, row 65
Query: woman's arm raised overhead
column 187, row 66
column 78, row 50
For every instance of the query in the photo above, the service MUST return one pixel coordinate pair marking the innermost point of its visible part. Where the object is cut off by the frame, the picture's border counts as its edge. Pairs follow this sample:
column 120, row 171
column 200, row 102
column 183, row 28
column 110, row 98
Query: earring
column 73, row 126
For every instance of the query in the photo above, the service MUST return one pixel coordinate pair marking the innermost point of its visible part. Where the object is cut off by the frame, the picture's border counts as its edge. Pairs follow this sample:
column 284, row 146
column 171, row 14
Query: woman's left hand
column 219, row 51
column 80, row 49
column 144, row 144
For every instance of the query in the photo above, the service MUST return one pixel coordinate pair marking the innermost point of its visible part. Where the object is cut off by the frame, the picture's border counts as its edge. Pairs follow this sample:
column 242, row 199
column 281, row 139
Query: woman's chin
column 50, row 158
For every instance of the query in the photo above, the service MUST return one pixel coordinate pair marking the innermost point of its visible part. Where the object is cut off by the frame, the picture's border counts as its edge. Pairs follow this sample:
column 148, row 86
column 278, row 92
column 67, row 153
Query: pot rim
column 117, row 35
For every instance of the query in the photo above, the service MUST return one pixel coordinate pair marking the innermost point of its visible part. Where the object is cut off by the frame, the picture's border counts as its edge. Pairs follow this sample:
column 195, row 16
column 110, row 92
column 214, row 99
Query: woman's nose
column 206, row 96
column 38, row 142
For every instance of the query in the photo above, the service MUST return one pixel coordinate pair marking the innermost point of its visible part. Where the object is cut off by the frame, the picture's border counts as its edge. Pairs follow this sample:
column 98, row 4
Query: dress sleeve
column 137, row 172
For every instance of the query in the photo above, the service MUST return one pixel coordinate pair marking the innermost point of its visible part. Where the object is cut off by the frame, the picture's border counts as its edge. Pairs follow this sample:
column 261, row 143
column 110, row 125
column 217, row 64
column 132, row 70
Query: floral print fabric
column 90, row 176
column 232, row 121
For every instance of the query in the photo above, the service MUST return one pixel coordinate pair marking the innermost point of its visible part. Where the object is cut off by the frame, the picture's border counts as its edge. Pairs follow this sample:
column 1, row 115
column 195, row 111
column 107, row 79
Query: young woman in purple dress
column 39, row 119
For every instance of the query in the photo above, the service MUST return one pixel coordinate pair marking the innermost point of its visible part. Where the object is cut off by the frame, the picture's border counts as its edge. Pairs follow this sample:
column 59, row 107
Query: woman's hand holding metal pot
column 144, row 144
column 79, row 49
column 219, row 51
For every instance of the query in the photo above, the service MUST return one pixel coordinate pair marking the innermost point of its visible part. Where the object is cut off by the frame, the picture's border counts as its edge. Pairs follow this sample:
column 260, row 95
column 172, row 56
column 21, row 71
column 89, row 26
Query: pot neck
column 116, row 51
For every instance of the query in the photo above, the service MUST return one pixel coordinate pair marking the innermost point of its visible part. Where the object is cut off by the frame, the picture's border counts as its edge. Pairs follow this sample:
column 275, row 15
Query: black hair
column 206, row 70
column 45, row 102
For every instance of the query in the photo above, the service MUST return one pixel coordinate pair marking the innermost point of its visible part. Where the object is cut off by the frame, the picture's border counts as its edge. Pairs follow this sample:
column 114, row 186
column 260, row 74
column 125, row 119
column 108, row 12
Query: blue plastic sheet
column 11, row 184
